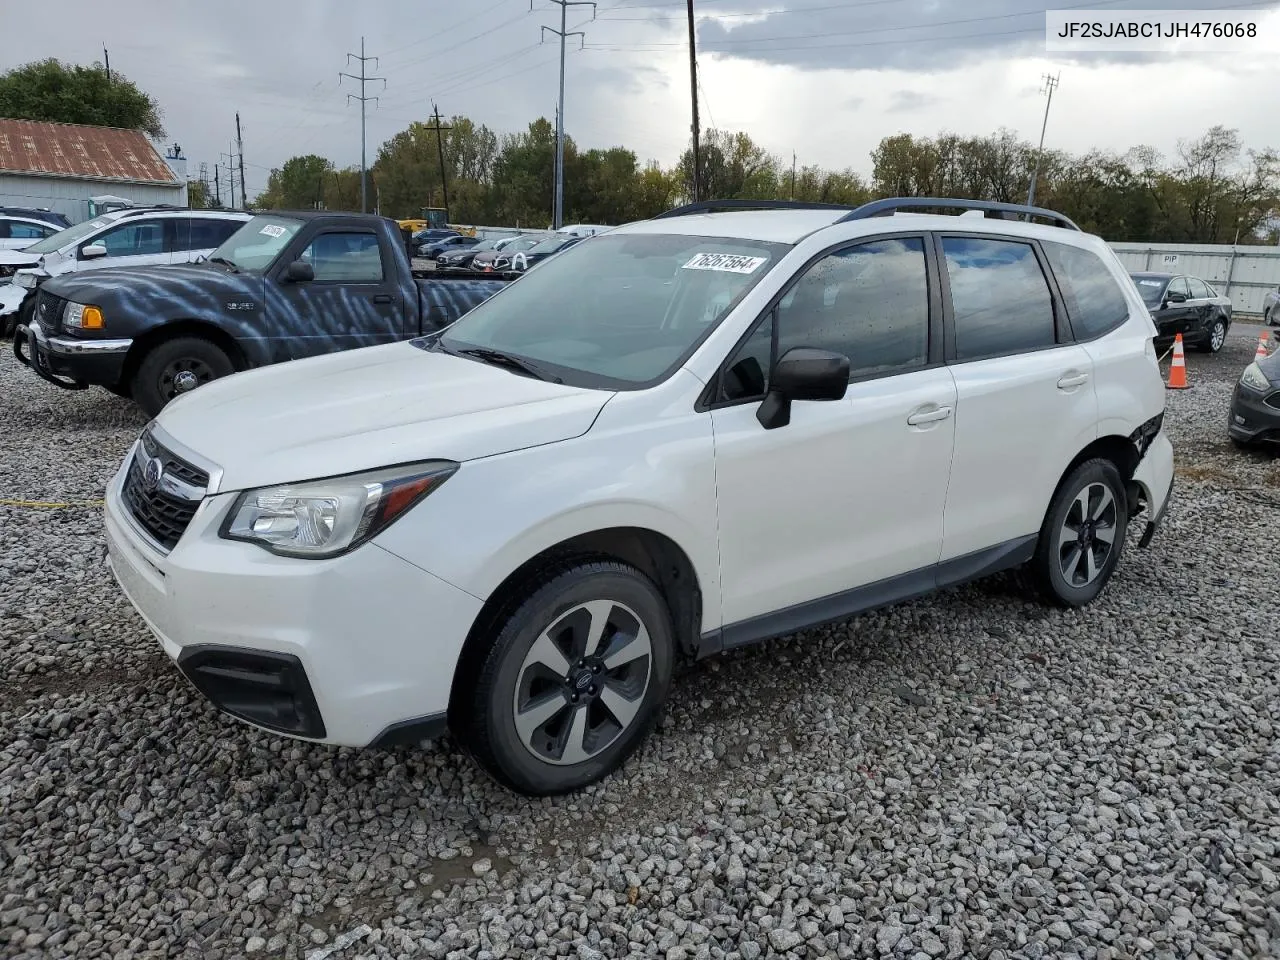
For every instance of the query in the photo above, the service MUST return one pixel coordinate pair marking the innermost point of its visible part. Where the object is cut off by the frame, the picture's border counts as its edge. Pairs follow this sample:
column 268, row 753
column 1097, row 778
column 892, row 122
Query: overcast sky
column 824, row 79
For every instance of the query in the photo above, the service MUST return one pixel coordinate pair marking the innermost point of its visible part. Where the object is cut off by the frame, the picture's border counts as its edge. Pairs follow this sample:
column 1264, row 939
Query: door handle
column 929, row 416
column 1070, row 380
column 383, row 298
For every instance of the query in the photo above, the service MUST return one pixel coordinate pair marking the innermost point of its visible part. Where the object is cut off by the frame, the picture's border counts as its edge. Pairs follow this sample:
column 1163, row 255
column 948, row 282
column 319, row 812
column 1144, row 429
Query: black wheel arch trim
column 406, row 733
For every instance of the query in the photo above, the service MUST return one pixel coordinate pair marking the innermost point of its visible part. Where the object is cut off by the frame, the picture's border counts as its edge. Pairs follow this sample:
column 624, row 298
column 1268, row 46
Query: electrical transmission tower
column 1050, row 84
column 563, row 33
column 364, row 79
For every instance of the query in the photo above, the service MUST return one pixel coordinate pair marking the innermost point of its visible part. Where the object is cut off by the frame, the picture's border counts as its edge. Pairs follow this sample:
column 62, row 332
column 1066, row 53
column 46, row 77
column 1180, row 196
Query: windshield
column 258, row 242
column 550, row 245
column 1150, row 289
column 483, row 245
column 621, row 311
column 69, row 236
column 520, row 243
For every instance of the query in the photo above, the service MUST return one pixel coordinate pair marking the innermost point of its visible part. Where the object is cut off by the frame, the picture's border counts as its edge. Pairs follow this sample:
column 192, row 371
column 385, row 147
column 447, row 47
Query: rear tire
column 1216, row 337
column 574, row 681
column 1082, row 537
column 177, row 366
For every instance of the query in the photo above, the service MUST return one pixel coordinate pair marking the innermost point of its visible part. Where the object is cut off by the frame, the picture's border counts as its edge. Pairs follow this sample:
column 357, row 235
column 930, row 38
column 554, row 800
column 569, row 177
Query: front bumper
column 1252, row 419
column 358, row 650
column 11, row 297
column 71, row 362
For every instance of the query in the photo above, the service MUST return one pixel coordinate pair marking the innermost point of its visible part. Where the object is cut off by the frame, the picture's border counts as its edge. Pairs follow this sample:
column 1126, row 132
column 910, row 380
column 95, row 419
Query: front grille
column 162, row 514
column 49, row 310
column 172, row 465
column 1273, row 401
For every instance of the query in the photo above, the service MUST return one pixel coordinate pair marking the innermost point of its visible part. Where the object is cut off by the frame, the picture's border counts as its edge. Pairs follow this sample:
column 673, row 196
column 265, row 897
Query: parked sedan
column 1185, row 305
column 461, row 258
column 549, row 247
column 1271, row 308
column 18, row 233
column 43, row 214
column 492, row 260
column 1255, row 405
column 433, row 248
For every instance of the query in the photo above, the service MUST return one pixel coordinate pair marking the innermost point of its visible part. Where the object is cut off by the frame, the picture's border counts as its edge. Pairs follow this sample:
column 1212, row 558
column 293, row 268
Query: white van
column 584, row 229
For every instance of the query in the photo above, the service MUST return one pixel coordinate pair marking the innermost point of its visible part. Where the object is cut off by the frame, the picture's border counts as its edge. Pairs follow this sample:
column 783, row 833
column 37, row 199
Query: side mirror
column 802, row 373
column 299, row 272
column 1174, row 297
column 92, row 251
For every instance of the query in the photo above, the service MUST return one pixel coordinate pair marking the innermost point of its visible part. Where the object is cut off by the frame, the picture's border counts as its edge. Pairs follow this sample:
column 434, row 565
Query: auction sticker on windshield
column 725, row 262
column 272, row 230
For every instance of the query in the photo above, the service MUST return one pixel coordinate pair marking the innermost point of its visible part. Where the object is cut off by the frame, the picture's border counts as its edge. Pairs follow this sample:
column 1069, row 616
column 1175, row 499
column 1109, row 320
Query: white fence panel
column 1246, row 274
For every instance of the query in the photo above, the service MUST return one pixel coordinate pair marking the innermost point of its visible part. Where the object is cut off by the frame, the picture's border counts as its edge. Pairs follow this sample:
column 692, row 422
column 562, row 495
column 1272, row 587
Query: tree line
column 1210, row 190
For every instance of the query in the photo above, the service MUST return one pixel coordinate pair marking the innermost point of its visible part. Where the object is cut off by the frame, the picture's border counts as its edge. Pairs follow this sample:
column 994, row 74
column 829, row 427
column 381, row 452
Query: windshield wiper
column 234, row 268
column 500, row 359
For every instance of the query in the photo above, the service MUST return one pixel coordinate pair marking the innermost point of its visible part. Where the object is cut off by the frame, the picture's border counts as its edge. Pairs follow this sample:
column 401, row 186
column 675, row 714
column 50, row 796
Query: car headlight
column 325, row 518
column 1254, row 378
column 26, row 280
column 82, row 316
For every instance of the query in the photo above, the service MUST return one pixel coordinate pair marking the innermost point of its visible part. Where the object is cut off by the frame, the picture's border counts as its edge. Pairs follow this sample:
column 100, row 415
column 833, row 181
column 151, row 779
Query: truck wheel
column 175, row 367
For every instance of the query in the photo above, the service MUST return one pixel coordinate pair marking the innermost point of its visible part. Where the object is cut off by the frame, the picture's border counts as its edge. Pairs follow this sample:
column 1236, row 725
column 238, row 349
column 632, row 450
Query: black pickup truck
column 283, row 287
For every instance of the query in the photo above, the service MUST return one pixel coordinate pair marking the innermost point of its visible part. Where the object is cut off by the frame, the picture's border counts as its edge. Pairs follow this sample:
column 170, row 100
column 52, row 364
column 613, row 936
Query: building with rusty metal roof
column 63, row 166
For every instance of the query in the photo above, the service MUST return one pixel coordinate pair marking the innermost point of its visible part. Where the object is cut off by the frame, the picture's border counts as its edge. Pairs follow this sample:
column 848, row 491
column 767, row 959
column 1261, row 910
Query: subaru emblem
column 151, row 474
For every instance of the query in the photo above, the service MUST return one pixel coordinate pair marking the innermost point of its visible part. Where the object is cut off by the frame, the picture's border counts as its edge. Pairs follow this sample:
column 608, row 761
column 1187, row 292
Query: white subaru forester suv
column 688, row 434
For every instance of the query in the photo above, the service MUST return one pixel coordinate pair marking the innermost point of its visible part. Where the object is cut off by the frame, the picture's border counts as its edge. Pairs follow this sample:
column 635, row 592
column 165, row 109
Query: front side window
column 621, row 311
column 1179, row 285
column 869, row 302
column 345, row 257
column 1000, row 300
column 136, row 238
column 28, row 231
column 1095, row 301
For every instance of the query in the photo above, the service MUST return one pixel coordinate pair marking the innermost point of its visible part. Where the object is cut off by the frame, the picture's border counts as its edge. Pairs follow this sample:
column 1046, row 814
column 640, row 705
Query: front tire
column 1082, row 537
column 574, row 681
column 175, row 367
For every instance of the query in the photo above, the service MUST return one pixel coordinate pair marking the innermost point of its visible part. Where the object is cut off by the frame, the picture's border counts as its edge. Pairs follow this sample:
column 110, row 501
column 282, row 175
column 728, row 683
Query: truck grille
column 164, row 515
column 49, row 310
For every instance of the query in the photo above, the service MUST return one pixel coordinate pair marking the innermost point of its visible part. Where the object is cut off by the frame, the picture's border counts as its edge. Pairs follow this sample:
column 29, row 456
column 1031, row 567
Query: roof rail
column 887, row 207
column 724, row 206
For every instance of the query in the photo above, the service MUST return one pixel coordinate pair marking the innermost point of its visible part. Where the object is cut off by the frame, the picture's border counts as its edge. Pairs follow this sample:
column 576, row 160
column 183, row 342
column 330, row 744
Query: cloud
column 905, row 101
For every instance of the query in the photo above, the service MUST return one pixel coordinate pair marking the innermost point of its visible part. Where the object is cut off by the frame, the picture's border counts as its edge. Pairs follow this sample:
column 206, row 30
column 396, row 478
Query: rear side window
column 1000, row 299
column 206, row 233
column 28, row 231
column 1094, row 299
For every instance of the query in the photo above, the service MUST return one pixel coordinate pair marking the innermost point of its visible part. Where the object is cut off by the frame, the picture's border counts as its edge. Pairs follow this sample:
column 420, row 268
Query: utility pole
column 229, row 161
column 444, row 177
column 562, row 34
column 1050, row 84
column 217, row 185
column 693, row 94
column 244, row 201
column 793, row 174
column 106, row 59
column 364, row 78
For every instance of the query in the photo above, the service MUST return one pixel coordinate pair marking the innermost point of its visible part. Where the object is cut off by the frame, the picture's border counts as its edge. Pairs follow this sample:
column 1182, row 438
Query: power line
column 563, row 33
column 364, row 78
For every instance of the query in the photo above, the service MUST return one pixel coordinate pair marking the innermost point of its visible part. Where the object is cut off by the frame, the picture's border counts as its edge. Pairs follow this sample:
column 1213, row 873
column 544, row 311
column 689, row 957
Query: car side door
column 1176, row 310
column 354, row 299
column 849, row 493
column 135, row 242
column 1025, row 403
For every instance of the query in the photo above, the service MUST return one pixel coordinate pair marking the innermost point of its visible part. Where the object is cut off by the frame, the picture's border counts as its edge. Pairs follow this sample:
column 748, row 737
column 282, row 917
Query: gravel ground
column 964, row 776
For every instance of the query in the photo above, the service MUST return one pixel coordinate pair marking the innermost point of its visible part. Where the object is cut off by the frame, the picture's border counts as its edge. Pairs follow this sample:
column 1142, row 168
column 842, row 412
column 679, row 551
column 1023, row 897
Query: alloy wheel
column 1218, row 336
column 582, row 682
column 1087, row 535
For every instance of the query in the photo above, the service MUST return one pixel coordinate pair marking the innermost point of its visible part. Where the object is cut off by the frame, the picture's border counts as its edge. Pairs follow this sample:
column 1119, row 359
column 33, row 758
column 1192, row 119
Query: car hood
column 1270, row 367
column 18, row 258
column 369, row 408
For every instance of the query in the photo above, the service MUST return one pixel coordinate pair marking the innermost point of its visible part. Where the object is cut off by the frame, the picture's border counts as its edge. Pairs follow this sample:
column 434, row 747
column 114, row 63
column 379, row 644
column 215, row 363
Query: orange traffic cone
column 1178, row 369
column 1261, row 353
